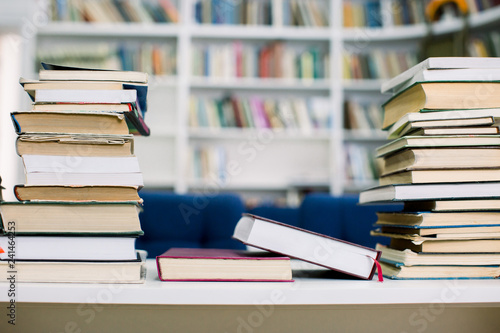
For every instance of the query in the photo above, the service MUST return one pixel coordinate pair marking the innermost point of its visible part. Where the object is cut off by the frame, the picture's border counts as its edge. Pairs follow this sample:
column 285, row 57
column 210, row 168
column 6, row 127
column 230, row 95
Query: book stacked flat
column 77, row 215
column 443, row 163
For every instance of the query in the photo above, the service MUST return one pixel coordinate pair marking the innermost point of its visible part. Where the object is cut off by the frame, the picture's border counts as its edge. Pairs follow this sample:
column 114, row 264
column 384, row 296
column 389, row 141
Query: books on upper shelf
column 441, row 96
column 311, row 13
column 76, row 193
column 71, row 247
column 154, row 58
column 74, row 144
column 377, row 63
column 322, row 250
column 362, row 116
column 143, row 11
column 407, row 192
column 44, row 217
column 362, row 14
column 79, row 271
column 445, row 69
column 304, row 115
column 274, row 60
column 185, row 264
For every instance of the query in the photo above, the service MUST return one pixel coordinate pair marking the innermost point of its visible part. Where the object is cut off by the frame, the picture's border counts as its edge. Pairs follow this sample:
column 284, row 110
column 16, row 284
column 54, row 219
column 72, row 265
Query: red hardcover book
column 322, row 250
column 187, row 264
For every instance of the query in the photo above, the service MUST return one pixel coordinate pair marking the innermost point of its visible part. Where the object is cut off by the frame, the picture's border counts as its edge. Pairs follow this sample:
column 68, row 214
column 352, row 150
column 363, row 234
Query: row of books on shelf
column 156, row 59
column 106, row 11
column 484, row 45
column 441, row 164
column 362, row 14
column 274, row 60
column 362, row 116
column 80, row 201
column 371, row 13
column 476, row 6
column 304, row 115
column 361, row 167
column 377, row 64
column 309, row 13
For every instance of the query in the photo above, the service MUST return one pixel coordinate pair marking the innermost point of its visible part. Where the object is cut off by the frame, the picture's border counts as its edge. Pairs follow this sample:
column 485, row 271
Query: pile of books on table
column 77, row 215
column 443, row 163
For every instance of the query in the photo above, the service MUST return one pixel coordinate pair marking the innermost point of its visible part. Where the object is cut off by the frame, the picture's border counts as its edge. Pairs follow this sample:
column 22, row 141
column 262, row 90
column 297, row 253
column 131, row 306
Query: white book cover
column 84, row 179
column 80, row 164
column 85, row 96
column 448, row 69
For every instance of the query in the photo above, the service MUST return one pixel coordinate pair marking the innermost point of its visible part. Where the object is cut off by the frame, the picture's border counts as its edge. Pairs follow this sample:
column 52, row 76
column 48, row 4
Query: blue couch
column 172, row 220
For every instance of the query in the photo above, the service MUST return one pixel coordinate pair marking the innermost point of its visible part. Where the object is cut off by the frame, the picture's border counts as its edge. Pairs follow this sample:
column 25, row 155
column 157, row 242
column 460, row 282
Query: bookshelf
column 268, row 160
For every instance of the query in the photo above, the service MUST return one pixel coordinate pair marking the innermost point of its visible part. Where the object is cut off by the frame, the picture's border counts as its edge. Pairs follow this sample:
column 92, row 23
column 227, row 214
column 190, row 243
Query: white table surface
column 303, row 291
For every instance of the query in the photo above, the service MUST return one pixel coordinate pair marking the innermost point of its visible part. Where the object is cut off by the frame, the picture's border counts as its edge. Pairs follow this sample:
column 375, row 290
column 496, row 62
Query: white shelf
column 245, row 133
column 362, row 85
column 57, row 29
column 387, row 34
column 365, row 135
column 259, row 32
column 303, row 291
column 237, row 185
column 260, row 83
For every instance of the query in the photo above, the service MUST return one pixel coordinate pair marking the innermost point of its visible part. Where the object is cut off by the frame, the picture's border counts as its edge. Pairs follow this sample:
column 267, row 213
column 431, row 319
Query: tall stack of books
column 443, row 164
column 77, row 218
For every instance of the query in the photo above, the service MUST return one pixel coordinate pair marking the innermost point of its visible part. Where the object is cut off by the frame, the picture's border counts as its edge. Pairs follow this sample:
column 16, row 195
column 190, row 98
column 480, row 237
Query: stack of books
column 77, row 215
column 443, row 163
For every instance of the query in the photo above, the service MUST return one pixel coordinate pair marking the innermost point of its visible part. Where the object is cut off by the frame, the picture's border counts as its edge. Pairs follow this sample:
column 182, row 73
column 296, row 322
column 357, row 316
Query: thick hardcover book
column 441, row 96
column 403, row 192
column 77, row 271
column 395, row 271
column 455, row 117
column 76, row 193
column 69, row 247
column 92, row 218
column 410, row 258
column 51, row 72
column 441, row 158
column 186, row 264
column 444, row 141
column 75, row 144
column 322, row 250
